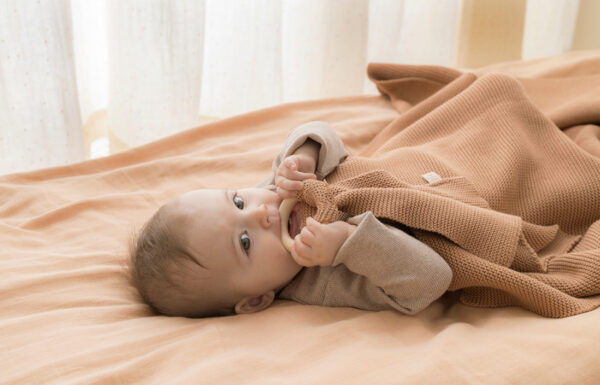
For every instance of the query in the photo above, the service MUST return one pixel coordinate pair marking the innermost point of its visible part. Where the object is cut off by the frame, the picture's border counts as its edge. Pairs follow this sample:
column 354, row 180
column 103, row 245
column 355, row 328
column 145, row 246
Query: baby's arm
column 296, row 168
column 331, row 151
column 406, row 273
column 377, row 267
column 318, row 243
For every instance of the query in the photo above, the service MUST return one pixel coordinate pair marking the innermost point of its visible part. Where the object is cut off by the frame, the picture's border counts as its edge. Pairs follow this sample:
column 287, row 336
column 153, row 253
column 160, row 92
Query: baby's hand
column 291, row 172
column 318, row 244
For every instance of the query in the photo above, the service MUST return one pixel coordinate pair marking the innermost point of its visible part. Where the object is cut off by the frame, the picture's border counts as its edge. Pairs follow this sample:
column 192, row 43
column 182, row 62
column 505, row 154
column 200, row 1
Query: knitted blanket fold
column 485, row 178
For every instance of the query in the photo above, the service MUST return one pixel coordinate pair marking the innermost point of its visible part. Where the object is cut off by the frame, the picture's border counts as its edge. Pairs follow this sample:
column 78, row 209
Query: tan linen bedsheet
column 69, row 316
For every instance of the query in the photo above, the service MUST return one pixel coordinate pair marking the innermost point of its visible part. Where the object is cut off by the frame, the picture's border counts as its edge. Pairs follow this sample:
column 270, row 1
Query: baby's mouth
column 293, row 227
column 289, row 222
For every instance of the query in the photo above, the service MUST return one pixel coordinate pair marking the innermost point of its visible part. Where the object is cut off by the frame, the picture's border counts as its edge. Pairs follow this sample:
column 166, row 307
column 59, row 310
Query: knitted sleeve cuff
column 331, row 154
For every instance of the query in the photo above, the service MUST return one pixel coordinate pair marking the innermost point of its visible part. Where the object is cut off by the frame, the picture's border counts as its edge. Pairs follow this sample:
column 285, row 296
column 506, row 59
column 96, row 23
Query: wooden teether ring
column 285, row 209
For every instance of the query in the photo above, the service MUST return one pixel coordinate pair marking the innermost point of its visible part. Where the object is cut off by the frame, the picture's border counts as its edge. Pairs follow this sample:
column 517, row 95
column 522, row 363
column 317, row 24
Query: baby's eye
column 245, row 242
column 238, row 201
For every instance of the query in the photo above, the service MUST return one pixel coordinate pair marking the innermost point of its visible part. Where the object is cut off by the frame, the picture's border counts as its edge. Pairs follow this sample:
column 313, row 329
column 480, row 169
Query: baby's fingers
column 295, row 174
column 285, row 194
column 302, row 253
column 315, row 227
column 291, row 163
column 286, row 184
column 307, row 237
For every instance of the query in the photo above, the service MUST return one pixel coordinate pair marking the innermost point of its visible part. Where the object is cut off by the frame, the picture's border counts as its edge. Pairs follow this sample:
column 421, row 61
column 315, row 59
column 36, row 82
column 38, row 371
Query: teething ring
column 285, row 209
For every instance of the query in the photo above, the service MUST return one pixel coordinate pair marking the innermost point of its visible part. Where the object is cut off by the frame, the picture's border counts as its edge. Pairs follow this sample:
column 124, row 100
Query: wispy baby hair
column 153, row 266
column 152, row 253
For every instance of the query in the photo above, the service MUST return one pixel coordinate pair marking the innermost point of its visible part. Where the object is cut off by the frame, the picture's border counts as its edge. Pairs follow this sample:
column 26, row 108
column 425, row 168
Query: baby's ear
column 254, row 304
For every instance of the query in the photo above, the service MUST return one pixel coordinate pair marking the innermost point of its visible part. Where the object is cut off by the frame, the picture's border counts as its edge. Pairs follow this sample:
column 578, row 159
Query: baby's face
column 235, row 238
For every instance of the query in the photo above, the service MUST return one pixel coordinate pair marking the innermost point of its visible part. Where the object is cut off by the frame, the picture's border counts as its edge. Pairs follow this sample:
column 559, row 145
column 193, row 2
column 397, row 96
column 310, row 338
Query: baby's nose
column 262, row 215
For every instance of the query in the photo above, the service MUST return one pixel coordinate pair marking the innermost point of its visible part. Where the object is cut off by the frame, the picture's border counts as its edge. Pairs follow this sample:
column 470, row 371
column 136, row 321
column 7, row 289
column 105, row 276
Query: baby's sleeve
column 331, row 153
column 378, row 267
column 405, row 273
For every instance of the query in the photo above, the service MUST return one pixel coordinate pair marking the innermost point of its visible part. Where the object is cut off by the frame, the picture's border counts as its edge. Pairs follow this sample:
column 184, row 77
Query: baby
column 220, row 252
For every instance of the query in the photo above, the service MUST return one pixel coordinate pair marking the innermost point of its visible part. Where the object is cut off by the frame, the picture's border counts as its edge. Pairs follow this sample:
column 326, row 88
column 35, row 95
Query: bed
column 68, row 314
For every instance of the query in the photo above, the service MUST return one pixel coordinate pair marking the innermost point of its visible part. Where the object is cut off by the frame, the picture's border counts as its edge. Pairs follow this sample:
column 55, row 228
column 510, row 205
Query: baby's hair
column 151, row 253
column 152, row 265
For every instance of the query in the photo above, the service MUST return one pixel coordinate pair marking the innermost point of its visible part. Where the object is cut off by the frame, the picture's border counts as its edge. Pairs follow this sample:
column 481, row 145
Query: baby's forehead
column 185, row 206
column 197, row 215
column 175, row 211
column 198, row 200
column 179, row 220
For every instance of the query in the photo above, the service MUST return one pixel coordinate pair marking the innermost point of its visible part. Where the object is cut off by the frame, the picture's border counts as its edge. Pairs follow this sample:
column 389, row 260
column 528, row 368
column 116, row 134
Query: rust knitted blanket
column 483, row 171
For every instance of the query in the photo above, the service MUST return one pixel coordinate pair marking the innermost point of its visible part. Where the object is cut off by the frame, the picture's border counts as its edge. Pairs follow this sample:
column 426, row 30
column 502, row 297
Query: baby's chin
column 289, row 259
column 289, row 264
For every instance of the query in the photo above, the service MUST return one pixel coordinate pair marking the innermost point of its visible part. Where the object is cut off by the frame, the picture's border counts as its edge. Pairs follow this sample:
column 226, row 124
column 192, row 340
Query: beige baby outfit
column 379, row 266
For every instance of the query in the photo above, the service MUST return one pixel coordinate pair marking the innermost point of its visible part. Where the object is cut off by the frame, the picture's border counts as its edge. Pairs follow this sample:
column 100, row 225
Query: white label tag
column 431, row 177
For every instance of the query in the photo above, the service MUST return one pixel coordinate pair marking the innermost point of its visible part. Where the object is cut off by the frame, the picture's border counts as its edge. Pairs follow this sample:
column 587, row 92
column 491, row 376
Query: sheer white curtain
column 40, row 122
column 73, row 73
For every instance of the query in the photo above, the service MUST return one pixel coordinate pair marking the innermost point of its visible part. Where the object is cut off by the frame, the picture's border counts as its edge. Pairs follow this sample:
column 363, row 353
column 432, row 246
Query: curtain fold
column 155, row 65
column 549, row 27
column 40, row 123
column 135, row 71
column 242, row 68
column 324, row 48
column 411, row 32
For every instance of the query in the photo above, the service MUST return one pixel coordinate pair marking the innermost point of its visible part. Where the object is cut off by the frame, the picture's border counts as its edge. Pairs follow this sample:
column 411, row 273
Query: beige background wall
column 489, row 32
column 587, row 29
